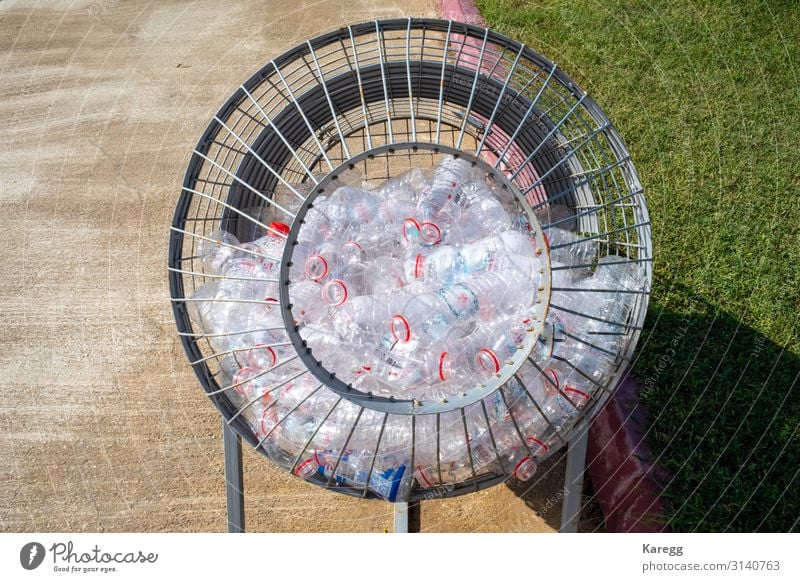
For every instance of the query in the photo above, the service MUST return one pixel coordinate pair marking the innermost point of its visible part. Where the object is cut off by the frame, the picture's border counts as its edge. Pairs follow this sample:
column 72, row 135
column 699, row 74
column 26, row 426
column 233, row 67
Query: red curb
column 619, row 459
column 461, row 10
column 620, row 465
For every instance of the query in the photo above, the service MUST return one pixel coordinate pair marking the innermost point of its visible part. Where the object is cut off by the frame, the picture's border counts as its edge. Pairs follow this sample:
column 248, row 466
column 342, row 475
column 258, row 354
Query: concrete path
column 103, row 426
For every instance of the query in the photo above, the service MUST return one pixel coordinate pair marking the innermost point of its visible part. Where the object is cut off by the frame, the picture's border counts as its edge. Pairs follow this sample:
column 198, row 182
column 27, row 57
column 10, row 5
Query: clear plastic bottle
column 238, row 308
column 397, row 364
column 501, row 294
column 430, row 317
column 404, row 188
column 349, row 206
column 418, row 233
column 368, row 244
column 201, row 305
column 444, row 201
column 270, row 246
column 485, row 217
column 438, row 265
column 363, row 318
column 316, row 225
column 306, row 300
column 214, row 253
column 350, row 281
column 498, row 342
column 400, row 195
column 571, row 249
column 516, row 456
column 320, row 261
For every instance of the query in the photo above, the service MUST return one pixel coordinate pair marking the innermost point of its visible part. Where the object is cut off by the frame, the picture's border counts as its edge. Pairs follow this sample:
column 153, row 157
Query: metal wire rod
column 260, row 160
column 226, row 277
column 344, row 447
column 222, row 244
column 522, row 124
column 441, row 84
column 548, row 422
column 328, row 98
column 499, row 100
column 360, row 87
column 235, row 350
column 375, row 453
column 293, row 100
column 280, row 136
column 472, row 91
column 229, row 333
column 261, row 396
column 313, row 434
column 269, row 201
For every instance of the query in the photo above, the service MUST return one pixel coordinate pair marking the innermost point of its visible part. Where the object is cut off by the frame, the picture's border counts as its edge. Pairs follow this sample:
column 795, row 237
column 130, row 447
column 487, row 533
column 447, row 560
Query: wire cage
column 362, row 105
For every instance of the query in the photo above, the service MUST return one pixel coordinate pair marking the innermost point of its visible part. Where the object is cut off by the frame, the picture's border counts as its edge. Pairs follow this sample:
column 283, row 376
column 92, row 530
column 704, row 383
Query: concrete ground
column 103, row 426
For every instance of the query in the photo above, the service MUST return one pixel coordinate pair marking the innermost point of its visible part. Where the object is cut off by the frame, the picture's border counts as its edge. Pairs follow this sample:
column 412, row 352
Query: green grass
column 706, row 96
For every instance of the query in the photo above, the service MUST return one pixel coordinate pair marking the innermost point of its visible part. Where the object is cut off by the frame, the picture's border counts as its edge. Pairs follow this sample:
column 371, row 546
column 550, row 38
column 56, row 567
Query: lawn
column 707, row 98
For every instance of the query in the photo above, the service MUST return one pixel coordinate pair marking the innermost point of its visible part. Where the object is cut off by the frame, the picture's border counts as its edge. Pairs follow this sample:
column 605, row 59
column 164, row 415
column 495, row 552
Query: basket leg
column 234, row 479
column 407, row 517
column 573, row 480
column 401, row 517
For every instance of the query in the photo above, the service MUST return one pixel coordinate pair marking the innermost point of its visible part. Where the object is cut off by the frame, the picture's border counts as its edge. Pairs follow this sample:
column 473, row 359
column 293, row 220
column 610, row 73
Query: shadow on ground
column 544, row 494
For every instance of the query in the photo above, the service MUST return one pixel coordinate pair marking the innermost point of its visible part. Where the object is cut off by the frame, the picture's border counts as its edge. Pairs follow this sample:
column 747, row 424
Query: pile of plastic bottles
column 417, row 288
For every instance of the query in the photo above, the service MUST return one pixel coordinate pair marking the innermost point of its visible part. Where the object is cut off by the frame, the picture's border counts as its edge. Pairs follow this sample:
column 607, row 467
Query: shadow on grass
column 724, row 423
column 724, row 418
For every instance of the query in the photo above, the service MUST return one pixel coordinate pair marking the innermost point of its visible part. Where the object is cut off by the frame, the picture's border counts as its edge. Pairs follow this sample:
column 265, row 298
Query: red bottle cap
column 280, row 227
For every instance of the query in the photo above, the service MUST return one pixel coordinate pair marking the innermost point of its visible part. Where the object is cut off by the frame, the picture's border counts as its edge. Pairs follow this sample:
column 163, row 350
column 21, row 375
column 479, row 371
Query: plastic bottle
column 496, row 343
column 571, row 249
column 270, row 246
column 420, row 233
column 444, row 201
column 320, row 261
column 201, row 305
column 363, row 318
column 352, row 280
column 436, row 266
column 239, row 307
column 349, row 206
column 430, row 317
column 404, row 188
column 516, row 456
column 214, row 253
column 397, row 364
column 367, row 244
column 400, row 195
column 316, row 225
column 306, row 300
column 485, row 217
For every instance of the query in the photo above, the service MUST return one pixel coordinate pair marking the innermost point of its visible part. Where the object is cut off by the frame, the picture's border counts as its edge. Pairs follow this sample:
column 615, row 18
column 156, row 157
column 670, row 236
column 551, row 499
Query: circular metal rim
column 389, row 404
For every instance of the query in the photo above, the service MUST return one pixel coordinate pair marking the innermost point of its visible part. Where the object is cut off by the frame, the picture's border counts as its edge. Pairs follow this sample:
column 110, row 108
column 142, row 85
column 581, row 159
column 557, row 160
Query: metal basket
column 383, row 96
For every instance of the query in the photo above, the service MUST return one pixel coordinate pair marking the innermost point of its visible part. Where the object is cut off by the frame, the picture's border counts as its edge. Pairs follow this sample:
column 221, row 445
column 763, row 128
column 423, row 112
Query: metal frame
column 411, row 81
column 406, row 515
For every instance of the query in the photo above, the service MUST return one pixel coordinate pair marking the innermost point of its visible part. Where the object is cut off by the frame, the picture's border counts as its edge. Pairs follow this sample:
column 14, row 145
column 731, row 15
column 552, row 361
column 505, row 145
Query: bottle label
column 387, row 483
column 383, row 351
